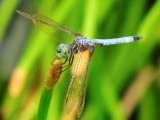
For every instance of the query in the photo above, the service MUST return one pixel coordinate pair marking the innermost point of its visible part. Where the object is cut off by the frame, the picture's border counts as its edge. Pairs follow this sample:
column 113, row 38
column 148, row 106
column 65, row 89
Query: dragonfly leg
column 60, row 64
column 70, row 60
column 70, row 63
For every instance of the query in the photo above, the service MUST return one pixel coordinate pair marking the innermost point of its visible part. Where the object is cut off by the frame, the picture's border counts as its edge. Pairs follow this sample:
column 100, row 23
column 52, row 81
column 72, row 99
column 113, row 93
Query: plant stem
column 44, row 104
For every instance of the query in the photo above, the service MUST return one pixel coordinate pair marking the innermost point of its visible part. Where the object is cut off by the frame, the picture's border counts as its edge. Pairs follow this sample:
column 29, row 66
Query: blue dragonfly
column 79, row 45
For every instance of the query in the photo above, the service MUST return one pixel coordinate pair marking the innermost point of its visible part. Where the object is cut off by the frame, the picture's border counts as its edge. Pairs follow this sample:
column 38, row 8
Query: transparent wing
column 77, row 89
column 51, row 27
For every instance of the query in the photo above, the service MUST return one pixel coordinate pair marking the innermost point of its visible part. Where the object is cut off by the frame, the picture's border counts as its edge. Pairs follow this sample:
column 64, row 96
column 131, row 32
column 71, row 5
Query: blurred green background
column 123, row 80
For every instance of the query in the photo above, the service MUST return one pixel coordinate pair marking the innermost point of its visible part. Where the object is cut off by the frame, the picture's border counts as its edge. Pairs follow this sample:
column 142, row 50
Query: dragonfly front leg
column 60, row 64
column 70, row 63
column 71, row 58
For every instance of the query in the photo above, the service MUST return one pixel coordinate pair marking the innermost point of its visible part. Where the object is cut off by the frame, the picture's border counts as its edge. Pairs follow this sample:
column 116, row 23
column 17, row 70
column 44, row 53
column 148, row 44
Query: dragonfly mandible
column 80, row 44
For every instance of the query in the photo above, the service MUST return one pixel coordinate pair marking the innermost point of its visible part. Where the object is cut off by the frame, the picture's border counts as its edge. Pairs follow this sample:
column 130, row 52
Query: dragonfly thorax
column 62, row 51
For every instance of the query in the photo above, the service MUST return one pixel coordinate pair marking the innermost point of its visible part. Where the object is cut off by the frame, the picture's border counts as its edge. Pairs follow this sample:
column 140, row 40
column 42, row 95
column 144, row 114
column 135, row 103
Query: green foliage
column 113, row 69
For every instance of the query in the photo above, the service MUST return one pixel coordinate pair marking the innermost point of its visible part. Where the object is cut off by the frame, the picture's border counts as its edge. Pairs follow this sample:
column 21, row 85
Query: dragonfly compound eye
column 58, row 51
column 62, row 51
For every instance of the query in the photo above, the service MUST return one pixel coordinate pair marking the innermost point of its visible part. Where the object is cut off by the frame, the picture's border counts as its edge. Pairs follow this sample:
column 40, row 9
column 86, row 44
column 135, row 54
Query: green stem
column 44, row 104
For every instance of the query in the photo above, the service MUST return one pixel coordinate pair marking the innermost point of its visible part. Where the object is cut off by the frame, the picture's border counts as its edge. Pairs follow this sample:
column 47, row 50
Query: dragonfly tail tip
column 137, row 37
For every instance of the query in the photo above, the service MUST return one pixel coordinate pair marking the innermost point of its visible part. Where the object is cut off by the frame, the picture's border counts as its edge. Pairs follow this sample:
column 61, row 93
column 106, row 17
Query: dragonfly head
column 62, row 51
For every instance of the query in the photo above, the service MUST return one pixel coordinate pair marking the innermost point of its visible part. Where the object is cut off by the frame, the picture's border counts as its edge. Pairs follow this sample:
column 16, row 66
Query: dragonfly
column 79, row 45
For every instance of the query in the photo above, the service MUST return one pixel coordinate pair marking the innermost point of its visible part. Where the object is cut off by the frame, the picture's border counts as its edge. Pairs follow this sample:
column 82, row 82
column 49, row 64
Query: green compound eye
column 62, row 51
column 58, row 51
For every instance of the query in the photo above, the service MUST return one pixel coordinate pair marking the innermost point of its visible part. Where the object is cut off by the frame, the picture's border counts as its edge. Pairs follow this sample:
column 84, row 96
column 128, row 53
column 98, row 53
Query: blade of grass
column 93, row 111
column 137, row 89
column 13, row 111
column 44, row 104
column 133, row 17
column 90, row 19
column 104, row 8
column 111, row 101
column 148, row 108
column 6, row 14
column 30, row 109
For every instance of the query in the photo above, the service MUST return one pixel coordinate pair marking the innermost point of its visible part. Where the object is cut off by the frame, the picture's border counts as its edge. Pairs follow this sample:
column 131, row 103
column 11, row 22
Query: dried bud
column 53, row 74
